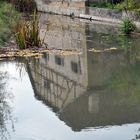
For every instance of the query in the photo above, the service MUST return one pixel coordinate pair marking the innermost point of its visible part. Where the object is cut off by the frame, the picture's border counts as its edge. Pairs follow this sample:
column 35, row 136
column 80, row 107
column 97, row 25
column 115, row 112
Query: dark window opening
column 59, row 60
column 74, row 67
column 46, row 56
column 47, row 84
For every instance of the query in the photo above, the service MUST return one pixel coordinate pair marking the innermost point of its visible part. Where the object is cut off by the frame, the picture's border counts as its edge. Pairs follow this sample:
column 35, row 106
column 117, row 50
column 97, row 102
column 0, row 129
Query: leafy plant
column 127, row 26
column 8, row 18
column 120, row 6
column 101, row 5
column 128, row 5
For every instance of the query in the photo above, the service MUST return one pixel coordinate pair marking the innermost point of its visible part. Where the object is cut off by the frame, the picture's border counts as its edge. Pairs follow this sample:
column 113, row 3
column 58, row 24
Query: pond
column 92, row 94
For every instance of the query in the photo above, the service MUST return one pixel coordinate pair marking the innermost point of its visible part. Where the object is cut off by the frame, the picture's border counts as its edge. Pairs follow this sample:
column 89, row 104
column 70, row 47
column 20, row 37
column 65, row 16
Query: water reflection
column 5, row 109
column 93, row 89
column 104, row 92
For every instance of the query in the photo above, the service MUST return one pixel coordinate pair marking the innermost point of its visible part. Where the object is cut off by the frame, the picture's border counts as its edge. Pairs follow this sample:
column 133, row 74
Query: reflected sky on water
column 93, row 95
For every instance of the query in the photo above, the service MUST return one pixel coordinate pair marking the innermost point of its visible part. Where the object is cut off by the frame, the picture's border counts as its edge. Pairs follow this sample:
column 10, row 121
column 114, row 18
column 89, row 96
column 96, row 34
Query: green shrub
column 8, row 18
column 127, row 26
column 129, row 5
column 120, row 6
column 101, row 5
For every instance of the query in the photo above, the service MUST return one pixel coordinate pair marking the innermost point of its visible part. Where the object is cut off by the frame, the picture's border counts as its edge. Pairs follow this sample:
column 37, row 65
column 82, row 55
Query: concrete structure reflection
column 83, row 89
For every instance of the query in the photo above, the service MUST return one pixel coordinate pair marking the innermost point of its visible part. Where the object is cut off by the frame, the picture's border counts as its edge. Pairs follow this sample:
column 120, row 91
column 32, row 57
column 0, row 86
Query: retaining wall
column 101, row 14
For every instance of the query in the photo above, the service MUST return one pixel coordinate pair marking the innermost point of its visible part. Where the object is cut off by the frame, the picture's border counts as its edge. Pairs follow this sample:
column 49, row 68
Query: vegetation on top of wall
column 101, row 5
column 128, row 5
column 122, row 5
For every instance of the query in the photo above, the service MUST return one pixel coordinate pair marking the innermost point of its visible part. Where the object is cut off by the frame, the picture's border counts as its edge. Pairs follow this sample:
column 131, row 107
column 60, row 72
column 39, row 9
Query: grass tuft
column 28, row 33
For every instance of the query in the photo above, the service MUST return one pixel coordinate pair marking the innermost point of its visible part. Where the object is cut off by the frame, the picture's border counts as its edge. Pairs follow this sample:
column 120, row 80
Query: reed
column 28, row 33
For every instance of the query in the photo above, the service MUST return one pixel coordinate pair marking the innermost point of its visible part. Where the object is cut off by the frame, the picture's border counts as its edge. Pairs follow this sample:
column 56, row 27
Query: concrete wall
column 60, row 79
column 108, row 15
column 77, row 9
column 63, row 33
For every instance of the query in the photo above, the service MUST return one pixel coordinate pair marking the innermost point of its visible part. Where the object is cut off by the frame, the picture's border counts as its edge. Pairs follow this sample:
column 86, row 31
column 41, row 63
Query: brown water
column 94, row 95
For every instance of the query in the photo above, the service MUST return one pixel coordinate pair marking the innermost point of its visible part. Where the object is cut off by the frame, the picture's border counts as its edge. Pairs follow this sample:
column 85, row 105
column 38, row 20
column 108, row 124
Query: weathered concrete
column 77, row 9
column 60, row 8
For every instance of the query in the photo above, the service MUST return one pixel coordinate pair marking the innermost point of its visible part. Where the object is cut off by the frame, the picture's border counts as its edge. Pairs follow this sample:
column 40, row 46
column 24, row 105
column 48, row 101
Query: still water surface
column 94, row 95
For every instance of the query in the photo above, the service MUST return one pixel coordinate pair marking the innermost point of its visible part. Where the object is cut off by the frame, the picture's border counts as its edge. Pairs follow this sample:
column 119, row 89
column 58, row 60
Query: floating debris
column 103, row 50
column 35, row 52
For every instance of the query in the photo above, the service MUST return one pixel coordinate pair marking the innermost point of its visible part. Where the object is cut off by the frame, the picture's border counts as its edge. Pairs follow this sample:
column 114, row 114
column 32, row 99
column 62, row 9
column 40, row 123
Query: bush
column 24, row 5
column 127, row 26
column 120, row 6
column 8, row 18
column 101, row 5
column 129, row 5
